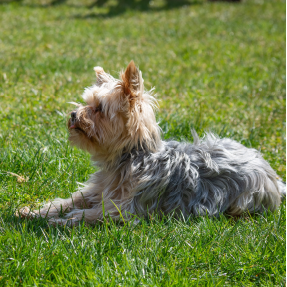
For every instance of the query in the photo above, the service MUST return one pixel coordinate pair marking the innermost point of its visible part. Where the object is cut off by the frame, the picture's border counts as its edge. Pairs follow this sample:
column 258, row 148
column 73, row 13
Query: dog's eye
column 98, row 108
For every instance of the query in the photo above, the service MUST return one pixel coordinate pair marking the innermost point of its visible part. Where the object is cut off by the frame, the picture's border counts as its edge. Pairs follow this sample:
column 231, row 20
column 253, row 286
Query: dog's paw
column 25, row 212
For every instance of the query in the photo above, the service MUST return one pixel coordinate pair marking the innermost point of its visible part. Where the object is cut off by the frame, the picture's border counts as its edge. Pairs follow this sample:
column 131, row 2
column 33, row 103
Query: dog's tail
column 282, row 189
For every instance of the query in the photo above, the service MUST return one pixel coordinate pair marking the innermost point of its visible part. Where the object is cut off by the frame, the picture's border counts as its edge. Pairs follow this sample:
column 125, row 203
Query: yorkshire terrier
column 140, row 174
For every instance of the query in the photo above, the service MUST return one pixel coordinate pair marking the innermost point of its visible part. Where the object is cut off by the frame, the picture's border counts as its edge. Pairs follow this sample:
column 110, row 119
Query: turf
column 216, row 66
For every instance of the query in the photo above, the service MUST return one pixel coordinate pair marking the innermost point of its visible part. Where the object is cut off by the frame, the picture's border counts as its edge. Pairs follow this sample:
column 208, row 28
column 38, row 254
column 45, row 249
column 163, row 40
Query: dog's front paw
column 25, row 212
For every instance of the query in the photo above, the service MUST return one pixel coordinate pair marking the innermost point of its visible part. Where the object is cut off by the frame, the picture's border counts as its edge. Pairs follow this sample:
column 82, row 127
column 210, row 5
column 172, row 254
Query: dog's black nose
column 73, row 115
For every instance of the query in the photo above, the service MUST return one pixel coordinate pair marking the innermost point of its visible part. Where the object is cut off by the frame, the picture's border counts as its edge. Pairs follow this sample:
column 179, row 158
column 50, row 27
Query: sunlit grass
column 215, row 66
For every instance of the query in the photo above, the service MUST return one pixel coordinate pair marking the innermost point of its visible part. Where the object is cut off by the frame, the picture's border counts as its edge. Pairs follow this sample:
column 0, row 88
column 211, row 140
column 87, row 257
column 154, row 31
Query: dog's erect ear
column 101, row 76
column 132, row 81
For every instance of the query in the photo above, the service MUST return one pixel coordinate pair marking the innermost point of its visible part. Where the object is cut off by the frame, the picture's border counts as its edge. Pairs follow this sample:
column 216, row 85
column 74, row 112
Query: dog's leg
column 90, row 216
column 59, row 207
column 119, row 208
column 74, row 217
column 56, row 208
column 116, row 210
column 87, row 203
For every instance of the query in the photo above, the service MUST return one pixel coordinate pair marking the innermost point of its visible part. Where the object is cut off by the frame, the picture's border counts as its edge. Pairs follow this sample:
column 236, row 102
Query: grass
column 215, row 66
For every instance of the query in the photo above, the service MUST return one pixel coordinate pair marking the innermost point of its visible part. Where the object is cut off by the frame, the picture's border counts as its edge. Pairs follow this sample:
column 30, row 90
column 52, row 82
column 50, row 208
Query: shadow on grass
column 2, row 2
column 120, row 7
column 132, row 5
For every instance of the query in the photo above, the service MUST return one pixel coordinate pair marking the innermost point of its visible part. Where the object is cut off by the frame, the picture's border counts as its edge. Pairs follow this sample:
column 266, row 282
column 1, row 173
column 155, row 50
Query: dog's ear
column 101, row 76
column 132, row 81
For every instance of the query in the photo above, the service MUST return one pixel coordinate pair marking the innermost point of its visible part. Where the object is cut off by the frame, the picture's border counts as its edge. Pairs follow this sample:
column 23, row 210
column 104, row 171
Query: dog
column 140, row 174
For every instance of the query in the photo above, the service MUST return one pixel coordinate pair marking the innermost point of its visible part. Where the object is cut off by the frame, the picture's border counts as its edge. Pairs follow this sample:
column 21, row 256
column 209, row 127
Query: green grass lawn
column 215, row 66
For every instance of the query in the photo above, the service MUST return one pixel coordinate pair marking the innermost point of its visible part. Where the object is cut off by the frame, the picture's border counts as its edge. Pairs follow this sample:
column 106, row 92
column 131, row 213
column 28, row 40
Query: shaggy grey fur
column 210, row 176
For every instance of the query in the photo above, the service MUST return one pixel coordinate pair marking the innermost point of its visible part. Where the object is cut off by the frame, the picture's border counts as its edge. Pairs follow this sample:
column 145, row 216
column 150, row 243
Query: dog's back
column 211, row 175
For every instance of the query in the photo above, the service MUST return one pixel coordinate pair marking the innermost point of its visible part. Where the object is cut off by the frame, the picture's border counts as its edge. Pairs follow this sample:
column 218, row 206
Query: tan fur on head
column 118, row 116
column 132, row 82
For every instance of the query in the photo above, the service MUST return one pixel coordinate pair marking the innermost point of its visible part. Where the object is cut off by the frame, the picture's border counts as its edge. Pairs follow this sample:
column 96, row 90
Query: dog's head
column 117, row 117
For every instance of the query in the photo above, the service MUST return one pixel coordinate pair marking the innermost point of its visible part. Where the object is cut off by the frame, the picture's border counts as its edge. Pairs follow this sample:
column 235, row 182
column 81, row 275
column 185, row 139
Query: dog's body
column 140, row 174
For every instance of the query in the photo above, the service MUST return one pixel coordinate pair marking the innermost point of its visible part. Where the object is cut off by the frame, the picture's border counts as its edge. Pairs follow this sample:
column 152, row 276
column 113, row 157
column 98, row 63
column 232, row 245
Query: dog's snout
column 73, row 115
